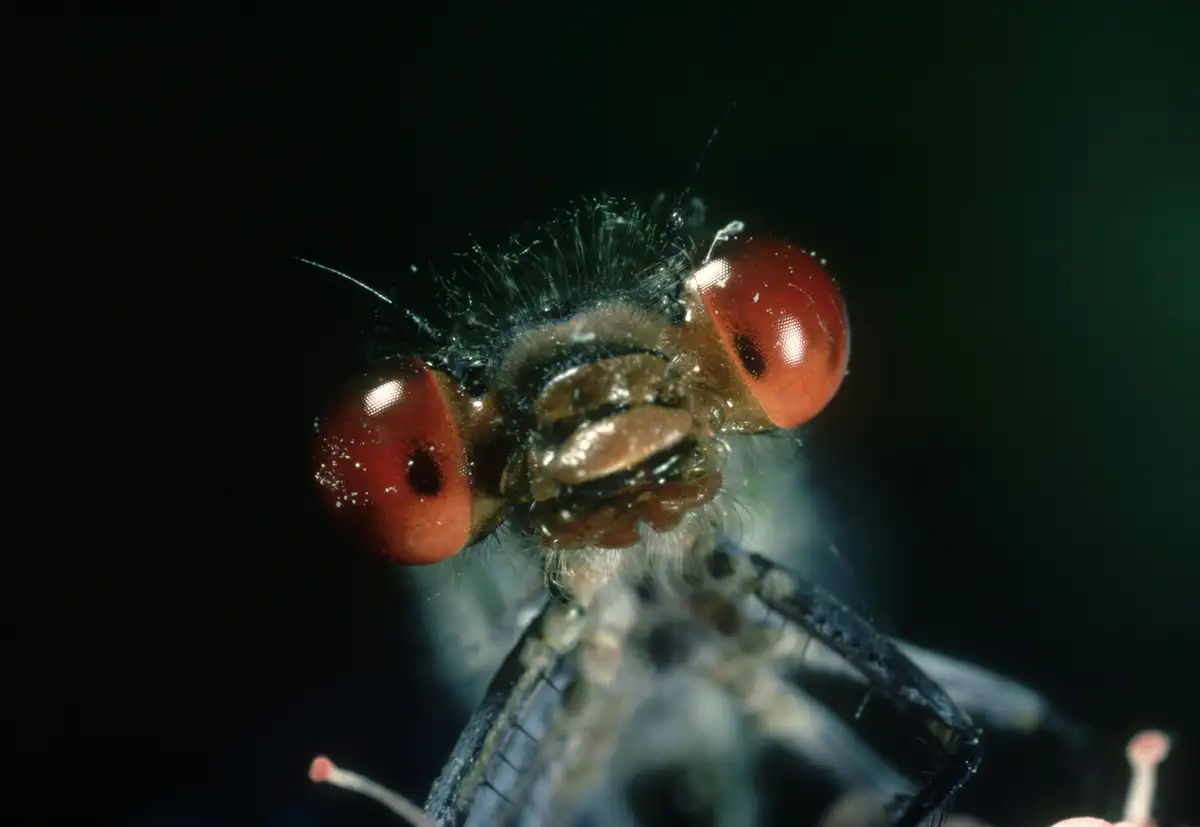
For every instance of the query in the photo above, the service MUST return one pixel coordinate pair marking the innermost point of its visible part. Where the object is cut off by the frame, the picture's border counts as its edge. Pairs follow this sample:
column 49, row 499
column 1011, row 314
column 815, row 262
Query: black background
column 1010, row 198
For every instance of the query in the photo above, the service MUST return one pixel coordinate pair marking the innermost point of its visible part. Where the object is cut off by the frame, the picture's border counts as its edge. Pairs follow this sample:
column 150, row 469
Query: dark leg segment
column 888, row 672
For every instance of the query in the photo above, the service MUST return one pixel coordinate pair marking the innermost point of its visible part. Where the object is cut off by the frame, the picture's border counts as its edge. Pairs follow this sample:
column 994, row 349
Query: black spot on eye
column 751, row 357
column 424, row 476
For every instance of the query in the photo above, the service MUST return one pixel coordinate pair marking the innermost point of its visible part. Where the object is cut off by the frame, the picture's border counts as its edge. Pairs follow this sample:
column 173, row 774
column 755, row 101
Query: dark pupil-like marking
column 752, row 358
column 424, row 476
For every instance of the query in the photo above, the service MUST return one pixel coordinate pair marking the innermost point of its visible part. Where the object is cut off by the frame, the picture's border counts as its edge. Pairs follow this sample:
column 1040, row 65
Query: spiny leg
column 1031, row 742
column 888, row 672
column 540, row 740
column 599, row 695
column 518, row 696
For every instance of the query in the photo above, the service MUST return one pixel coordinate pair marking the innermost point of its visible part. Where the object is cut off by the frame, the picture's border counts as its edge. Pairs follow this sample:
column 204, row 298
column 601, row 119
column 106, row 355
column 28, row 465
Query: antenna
column 346, row 276
column 419, row 321
column 675, row 220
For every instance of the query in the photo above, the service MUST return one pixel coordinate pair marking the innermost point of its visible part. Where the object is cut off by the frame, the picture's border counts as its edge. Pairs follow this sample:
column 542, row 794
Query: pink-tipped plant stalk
column 1145, row 752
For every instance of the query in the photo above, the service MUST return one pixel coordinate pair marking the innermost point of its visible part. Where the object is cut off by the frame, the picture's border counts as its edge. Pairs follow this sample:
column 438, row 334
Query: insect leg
column 600, row 690
column 888, row 671
column 524, row 693
column 991, row 699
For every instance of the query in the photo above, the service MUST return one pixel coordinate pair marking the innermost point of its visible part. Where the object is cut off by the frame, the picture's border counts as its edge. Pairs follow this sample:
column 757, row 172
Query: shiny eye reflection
column 383, row 397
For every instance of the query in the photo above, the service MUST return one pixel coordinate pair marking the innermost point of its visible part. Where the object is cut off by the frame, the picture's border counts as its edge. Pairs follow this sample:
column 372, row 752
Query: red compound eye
column 393, row 447
column 781, row 318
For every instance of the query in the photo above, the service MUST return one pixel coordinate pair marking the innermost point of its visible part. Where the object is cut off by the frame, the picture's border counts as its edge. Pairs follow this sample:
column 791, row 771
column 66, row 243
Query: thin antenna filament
column 346, row 276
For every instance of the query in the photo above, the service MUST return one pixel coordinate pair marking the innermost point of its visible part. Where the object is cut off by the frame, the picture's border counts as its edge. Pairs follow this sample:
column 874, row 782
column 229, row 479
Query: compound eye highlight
column 392, row 448
column 782, row 321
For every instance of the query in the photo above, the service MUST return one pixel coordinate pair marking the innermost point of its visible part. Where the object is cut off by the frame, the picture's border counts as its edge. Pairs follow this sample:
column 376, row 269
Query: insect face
column 596, row 407
column 582, row 394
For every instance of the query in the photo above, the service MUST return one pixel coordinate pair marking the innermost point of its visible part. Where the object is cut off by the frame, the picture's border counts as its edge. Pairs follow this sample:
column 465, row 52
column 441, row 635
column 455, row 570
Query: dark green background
column 1010, row 197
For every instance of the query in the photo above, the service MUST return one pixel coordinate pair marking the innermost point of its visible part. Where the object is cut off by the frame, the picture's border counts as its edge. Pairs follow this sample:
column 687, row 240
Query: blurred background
column 1010, row 198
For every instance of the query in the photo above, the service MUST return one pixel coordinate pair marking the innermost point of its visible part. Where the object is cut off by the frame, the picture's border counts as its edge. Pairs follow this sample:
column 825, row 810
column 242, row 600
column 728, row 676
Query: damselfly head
column 583, row 393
